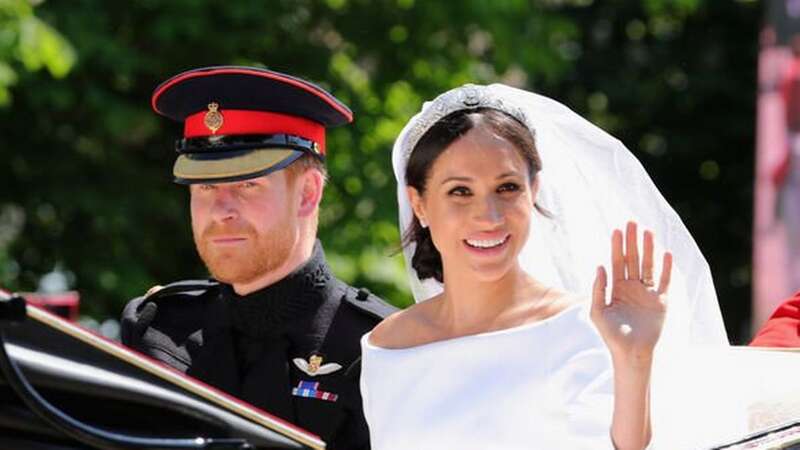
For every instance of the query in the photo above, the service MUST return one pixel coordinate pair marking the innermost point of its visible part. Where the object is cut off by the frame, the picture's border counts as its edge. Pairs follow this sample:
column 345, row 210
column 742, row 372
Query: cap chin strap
column 228, row 143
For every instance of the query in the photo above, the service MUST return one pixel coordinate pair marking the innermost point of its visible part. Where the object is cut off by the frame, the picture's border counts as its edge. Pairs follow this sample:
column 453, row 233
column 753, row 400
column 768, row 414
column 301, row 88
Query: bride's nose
column 488, row 211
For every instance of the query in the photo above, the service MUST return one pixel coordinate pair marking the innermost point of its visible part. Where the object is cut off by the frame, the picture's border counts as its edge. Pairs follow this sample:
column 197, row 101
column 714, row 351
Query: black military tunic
column 257, row 346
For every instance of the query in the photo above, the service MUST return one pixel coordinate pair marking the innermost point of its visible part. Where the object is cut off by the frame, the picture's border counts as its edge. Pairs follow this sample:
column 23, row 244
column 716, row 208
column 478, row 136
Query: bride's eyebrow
column 449, row 179
column 511, row 174
column 468, row 179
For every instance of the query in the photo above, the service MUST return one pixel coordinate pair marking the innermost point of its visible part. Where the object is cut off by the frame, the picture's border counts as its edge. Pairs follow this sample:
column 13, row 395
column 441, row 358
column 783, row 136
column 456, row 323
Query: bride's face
column 478, row 202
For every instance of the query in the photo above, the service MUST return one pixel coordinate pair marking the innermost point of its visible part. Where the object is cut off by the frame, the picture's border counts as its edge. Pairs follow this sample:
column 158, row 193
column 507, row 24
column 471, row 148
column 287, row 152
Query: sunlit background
column 86, row 198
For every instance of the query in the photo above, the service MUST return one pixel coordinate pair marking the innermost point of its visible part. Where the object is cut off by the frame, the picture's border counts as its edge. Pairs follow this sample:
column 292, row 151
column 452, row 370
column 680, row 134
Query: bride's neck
column 470, row 305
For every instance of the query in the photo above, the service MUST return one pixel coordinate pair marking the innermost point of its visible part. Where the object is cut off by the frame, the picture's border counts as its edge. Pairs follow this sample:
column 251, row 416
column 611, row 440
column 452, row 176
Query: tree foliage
column 87, row 185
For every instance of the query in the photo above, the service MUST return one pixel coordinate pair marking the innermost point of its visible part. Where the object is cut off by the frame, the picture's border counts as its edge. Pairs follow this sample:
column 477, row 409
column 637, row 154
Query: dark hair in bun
column 426, row 259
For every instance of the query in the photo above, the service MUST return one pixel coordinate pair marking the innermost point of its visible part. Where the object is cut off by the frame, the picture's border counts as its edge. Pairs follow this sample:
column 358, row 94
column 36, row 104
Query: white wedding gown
column 544, row 385
column 549, row 385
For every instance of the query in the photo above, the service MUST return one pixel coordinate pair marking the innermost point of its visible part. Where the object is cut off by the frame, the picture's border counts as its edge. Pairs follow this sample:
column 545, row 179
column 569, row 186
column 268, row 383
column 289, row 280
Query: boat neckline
column 485, row 334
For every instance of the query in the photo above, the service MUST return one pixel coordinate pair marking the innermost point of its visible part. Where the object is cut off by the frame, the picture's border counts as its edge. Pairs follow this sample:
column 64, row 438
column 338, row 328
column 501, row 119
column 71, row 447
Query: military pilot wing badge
column 314, row 366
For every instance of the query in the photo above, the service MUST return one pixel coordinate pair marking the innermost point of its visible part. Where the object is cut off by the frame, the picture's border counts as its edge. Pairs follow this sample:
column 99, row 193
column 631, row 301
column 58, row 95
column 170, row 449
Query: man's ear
column 415, row 198
column 311, row 183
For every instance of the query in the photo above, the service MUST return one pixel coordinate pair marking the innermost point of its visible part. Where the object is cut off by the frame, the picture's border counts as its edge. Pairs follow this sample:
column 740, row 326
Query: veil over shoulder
column 704, row 392
column 591, row 184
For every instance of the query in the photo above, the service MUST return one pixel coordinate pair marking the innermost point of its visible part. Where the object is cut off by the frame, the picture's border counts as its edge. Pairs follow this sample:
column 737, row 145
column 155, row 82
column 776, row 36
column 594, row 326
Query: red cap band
column 237, row 121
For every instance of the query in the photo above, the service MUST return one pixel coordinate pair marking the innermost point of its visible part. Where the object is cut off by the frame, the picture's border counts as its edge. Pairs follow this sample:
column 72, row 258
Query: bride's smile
column 486, row 243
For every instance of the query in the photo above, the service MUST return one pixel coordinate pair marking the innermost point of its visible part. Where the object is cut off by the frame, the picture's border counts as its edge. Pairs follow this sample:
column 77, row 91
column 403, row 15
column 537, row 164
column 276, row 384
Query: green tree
column 88, row 164
column 26, row 44
column 27, row 41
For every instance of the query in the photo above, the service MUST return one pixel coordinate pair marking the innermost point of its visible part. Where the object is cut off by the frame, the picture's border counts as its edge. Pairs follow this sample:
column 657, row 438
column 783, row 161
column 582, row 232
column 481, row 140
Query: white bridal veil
column 703, row 392
column 591, row 184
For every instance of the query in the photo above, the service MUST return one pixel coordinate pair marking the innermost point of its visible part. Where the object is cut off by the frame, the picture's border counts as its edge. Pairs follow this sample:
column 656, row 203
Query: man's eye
column 508, row 187
column 459, row 191
column 207, row 187
column 248, row 185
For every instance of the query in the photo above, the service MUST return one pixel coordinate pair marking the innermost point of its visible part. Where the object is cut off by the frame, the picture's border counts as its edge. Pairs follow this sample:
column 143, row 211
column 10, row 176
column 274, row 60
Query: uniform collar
column 271, row 310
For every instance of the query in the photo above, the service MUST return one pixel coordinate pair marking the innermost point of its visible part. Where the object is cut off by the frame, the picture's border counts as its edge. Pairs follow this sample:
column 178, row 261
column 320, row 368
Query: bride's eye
column 459, row 191
column 508, row 187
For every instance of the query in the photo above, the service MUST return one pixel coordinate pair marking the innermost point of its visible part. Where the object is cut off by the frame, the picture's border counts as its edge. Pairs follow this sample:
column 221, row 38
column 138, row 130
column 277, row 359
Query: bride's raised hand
column 631, row 322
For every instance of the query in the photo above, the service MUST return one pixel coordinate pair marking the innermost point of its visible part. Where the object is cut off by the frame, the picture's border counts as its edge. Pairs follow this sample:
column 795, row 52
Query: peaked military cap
column 245, row 122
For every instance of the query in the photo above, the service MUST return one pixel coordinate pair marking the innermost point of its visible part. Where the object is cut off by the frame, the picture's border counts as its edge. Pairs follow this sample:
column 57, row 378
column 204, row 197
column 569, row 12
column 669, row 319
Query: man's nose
column 225, row 207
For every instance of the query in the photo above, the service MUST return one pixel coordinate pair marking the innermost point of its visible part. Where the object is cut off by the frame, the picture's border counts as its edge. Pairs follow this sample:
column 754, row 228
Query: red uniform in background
column 783, row 327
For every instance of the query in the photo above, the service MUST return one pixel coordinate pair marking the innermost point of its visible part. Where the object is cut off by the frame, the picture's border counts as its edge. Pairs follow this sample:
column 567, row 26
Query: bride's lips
column 492, row 249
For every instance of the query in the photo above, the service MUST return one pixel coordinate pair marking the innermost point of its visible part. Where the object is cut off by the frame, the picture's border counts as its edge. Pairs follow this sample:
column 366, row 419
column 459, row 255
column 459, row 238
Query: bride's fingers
column 617, row 259
column 666, row 273
column 599, row 290
column 647, row 260
column 632, row 251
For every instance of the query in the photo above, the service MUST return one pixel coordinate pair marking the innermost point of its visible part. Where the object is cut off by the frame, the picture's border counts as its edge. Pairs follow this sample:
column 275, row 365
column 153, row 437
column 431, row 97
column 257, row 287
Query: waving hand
column 631, row 322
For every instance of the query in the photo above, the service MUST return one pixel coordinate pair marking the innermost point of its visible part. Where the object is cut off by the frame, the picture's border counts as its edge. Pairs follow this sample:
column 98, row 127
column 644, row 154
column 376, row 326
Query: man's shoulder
column 363, row 302
column 357, row 312
column 180, row 294
column 174, row 304
column 182, row 288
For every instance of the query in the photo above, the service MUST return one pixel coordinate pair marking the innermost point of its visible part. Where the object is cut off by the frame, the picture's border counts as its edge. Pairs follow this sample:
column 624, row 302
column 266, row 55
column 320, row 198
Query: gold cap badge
column 213, row 119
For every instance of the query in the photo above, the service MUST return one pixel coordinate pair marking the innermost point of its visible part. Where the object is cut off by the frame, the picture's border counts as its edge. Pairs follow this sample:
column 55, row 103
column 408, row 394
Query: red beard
column 242, row 263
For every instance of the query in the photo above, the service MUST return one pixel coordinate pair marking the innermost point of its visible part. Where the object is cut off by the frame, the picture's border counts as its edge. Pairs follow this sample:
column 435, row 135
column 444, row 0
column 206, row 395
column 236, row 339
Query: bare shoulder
column 565, row 300
column 406, row 328
column 554, row 303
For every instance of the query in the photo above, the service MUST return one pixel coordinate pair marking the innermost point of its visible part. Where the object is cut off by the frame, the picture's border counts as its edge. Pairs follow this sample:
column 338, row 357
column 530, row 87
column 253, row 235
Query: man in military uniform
column 274, row 327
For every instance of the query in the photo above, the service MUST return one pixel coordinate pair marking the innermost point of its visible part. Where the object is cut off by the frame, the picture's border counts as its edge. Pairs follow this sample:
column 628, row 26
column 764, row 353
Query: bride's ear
column 415, row 199
column 534, row 189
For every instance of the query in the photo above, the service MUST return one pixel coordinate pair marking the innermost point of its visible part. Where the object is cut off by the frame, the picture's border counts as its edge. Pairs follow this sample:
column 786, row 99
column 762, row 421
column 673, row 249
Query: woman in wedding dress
column 509, row 204
column 499, row 359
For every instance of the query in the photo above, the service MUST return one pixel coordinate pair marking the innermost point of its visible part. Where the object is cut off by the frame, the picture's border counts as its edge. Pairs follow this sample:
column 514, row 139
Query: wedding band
column 647, row 277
